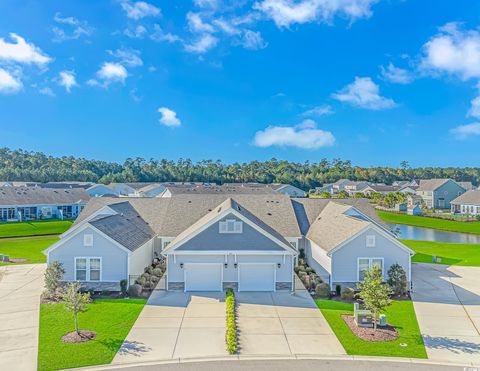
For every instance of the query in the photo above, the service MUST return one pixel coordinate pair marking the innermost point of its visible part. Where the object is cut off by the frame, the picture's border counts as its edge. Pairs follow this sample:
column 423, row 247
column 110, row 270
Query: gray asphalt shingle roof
column 468, row 198
column 13, row 196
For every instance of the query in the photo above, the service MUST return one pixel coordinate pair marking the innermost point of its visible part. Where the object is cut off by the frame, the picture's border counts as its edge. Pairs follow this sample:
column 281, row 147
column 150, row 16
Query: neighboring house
column 414, row 210
column 249, row 242
column 438, row 193
column 4, row 183
column 401, row 207
column 414, row 199
column 151, row 190
column 379, row 188
column 208, row 188
column 468, row 186
column 67, row 184
column 325, row 188
column 100, row 190
column 288, row 190
column 406, row 183
column 355, row 187
column 407, row 189
column 468, row 203
column 343, row 240
column 31, row 203
column 339, row 185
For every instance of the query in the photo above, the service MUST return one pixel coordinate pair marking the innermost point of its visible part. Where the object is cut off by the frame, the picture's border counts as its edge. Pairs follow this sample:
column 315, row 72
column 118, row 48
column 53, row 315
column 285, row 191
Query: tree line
column 21, row 165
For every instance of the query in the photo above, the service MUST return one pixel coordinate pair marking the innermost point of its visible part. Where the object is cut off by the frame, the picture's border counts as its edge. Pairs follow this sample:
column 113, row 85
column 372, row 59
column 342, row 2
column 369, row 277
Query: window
column 88, row 269
column 366, row 264
column 65, row 211
column 88, row 240
column 7, row 213
column 230, row 226
column 47, row 212
column 80, row 269
column 27, row 212
column 371, row 241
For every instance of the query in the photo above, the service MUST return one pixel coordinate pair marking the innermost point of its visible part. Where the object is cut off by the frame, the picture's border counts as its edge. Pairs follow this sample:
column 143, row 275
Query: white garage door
column 256, row 277
column 203, row 277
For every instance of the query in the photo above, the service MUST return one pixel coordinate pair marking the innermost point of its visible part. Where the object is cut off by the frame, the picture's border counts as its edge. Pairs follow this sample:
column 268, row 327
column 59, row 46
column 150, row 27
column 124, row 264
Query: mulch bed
column 73, row 337
column 384, row 333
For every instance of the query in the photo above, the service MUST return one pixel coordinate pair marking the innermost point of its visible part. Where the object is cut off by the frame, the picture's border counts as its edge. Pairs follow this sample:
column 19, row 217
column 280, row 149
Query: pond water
column 408, row 232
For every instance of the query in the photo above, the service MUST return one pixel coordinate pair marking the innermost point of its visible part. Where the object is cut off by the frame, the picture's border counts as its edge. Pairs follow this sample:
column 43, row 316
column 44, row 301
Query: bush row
column 231, row 335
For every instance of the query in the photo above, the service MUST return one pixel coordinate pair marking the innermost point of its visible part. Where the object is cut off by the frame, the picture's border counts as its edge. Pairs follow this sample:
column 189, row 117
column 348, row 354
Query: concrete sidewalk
column 447, row 305
column 20, row 290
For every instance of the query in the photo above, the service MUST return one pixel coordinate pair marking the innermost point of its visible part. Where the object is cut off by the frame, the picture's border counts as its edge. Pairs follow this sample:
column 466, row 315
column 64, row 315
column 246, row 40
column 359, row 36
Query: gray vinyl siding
column 141, row 258
column 114, row 259
column 344, row 260
column 230, row 274
column 318, row 259
column 212, row 240
column 448, row 192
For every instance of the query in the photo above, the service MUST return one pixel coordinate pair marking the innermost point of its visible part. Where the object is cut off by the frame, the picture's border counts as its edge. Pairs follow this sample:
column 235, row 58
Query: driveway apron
column 20, row 290
column 447, row 305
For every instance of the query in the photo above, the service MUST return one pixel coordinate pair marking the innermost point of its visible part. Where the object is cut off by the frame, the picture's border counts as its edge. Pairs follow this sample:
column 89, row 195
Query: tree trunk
column 374, row 320
column 76, row 325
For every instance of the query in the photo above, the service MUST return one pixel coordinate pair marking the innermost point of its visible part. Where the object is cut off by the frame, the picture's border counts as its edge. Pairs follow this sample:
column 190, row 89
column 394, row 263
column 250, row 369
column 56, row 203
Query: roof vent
column 269, row 213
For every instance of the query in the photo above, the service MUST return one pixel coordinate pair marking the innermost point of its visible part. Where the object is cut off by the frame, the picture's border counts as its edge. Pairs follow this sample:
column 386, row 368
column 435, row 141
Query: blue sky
column 376, row 82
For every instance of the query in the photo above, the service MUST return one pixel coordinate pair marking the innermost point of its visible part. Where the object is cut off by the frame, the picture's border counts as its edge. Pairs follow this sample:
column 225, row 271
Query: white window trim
column 222, row 226
column 371, row 240
column 87, row 236
column 87, row 276
column 370, row 259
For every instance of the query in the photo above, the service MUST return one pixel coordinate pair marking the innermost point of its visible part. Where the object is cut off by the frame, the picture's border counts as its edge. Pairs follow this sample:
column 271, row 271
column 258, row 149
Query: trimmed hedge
column 231, row 335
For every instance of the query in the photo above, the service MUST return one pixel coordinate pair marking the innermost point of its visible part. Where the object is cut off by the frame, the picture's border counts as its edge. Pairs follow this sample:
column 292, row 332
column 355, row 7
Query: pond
column 409, row 232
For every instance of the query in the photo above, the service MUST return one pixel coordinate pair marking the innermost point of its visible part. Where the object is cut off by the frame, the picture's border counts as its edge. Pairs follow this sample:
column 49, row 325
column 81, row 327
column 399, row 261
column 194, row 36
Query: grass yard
column 451, row 253
column 27, row 248
column 111, row 319
column 400, row 314
column 36, row 228
column 426, row 222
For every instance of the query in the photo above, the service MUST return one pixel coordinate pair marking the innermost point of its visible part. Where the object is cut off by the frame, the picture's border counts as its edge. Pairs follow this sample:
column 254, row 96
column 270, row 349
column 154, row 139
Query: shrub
column 301, row 268
column 301, row 254
column 338, row 289
column 231, row 335
column 296, row 269
column 53, row 276
column 162, row 265
column 301, row 261
column 140, row 281
column 146, row 276
column 397, row 279
column 135, row 290
column 309, row 270
column 123, row 287
column 322, row 290
column 157, row 272
column 148, row 269
column 347, row 293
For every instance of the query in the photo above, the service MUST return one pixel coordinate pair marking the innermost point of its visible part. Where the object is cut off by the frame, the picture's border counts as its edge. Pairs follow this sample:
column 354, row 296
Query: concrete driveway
column 177, row 325
column 283, row 323
column 447, row 304
column 20, row 290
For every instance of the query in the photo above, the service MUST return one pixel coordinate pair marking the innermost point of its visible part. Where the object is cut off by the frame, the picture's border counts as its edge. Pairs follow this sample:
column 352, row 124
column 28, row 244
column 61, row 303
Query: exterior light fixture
column 181, row 265
column 279, row 265
column 235, row 265
column 226, row 265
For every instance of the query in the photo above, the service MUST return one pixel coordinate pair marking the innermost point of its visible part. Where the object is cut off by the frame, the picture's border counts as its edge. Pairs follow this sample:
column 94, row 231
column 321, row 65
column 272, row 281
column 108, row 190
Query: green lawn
column 426, row 222
column 450, row 253
column 110, row 318
column 26, row 247
column 400, row 314
column 37, row 228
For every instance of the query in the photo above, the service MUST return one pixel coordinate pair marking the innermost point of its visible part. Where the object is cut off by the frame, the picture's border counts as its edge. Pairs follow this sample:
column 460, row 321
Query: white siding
column 141, row 258
column 114, row 259
column 318, row 259
column 344, row 260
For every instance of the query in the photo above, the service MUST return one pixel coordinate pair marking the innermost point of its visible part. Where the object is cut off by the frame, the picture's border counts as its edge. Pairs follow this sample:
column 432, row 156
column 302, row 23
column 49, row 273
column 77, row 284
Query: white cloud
column 306, row 135
column 396, row 75
column 196, row 24
column 47, row 91
column 364, row 93
column 109, row 73
column 128, row 57
column 138, row 32
column 76, row 28
column 202, row 44
column 253, row 40
column 159, row 35
column 9, row 84
column 453, row 51
column 67, row 80
column 466, row 131
column 206, row 3
column 288, row 12
column 474, row 108
column 22, row 52
column 139, row 9
column 318, row 111
column 169, row 117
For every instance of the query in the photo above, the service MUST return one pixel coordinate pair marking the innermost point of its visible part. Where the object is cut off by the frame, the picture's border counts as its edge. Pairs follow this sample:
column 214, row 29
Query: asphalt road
column 296, row 365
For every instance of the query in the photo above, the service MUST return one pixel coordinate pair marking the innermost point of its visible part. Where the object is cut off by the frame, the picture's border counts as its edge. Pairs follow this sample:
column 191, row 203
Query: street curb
column 276, row 358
